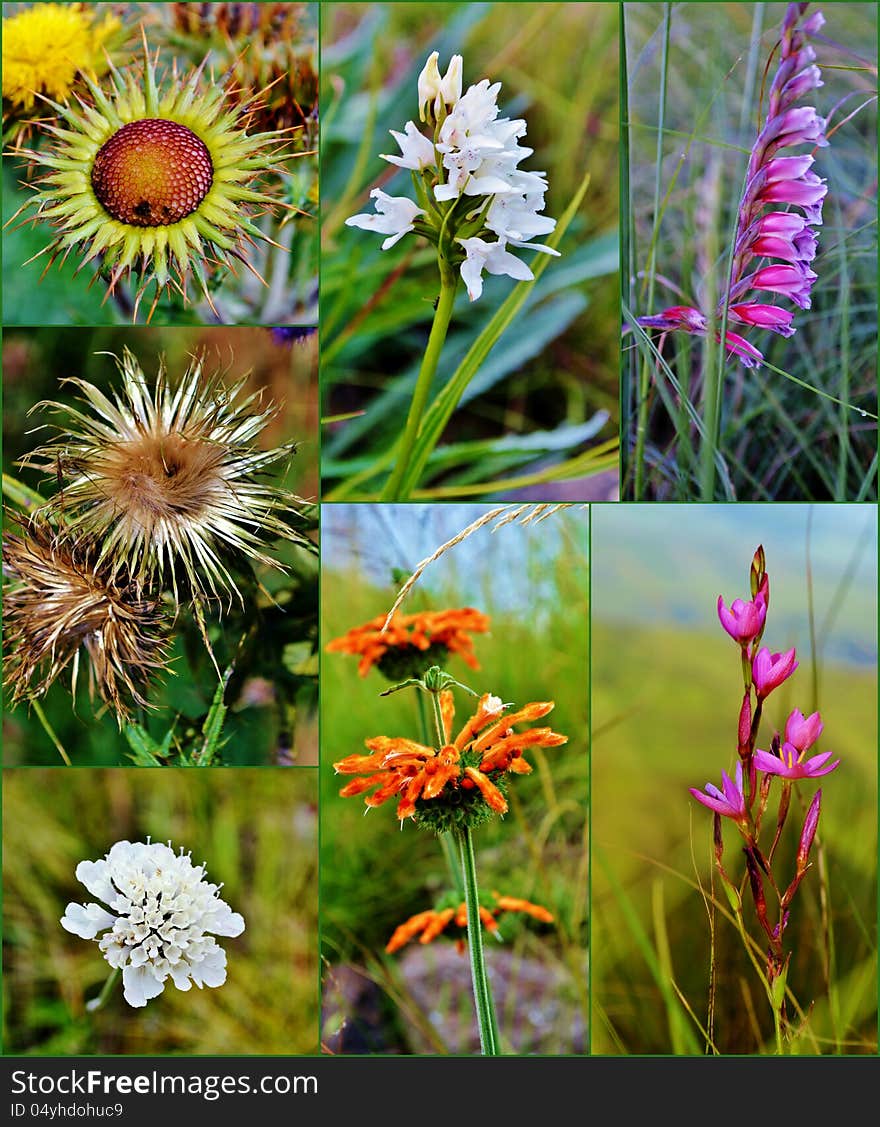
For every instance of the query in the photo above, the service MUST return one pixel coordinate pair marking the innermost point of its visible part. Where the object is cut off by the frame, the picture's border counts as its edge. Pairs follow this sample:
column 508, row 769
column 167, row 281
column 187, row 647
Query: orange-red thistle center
column 151, row 173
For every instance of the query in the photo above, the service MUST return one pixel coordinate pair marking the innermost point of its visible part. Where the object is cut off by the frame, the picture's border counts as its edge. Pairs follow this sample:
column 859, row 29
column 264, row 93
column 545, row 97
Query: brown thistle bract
column 166, row 478
column 58, row 602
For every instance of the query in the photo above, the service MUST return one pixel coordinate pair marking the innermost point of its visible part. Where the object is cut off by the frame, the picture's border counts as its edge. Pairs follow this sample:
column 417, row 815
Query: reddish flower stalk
column 765, row 233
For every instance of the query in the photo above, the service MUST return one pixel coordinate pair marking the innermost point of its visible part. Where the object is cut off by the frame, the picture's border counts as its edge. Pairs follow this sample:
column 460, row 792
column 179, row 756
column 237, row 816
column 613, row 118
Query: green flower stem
column 482, row 992
column 97, row 1003
column 393, row 490
column 50, row 731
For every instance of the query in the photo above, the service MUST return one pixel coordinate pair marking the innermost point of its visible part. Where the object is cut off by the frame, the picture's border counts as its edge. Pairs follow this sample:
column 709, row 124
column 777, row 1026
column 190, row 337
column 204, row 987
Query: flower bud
column 744, row 731
column 429, row 88
column 757, row 571
column 450, row 86
column 811, row 822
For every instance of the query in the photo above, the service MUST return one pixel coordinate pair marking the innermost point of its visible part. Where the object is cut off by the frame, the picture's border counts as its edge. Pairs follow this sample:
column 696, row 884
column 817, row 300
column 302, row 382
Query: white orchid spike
column 473, row 199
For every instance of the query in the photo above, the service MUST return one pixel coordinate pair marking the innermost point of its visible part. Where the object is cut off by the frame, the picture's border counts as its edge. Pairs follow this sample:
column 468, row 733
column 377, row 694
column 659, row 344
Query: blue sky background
column 667, row 564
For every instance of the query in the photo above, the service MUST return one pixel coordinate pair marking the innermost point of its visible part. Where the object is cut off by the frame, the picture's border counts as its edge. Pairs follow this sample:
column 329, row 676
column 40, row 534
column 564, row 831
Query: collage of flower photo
column 439, row 530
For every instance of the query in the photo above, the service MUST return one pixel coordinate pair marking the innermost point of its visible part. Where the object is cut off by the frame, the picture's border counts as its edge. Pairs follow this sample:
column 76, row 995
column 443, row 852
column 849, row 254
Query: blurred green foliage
column 535, row 403
column 376, row 873
column 256, row 831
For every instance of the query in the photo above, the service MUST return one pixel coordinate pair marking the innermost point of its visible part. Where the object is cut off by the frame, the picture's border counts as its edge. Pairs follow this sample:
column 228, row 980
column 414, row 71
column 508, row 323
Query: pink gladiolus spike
column 802, row 732
column 770, row 670
column 744, row 620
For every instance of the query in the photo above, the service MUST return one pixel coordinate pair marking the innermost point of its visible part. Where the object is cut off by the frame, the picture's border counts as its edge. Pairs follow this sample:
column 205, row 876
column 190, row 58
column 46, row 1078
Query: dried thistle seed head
column 60, row 602
column 156, row 177
column 166, row 476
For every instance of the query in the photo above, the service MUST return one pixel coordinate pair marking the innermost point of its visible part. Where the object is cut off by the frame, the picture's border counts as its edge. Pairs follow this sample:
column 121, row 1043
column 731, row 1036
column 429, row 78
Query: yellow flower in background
column 45, row 48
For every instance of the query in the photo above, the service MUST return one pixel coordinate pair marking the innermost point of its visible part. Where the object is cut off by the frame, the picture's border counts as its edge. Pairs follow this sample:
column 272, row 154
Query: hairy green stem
column 479, row 976
column 394, row 490
column 448, row 845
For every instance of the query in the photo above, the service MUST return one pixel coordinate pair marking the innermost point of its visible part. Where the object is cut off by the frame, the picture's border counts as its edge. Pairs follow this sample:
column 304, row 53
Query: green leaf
column 440, row 411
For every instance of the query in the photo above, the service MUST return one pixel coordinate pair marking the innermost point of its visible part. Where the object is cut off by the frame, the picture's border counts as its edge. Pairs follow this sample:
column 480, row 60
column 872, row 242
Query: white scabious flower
column 394, row 216
column 469, row 164
column 162, row 920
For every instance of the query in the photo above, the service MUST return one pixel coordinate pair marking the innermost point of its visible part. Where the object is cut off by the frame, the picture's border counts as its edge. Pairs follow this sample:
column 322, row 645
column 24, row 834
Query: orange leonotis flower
column 461, row 783
column 428, row 925
column 413, row 641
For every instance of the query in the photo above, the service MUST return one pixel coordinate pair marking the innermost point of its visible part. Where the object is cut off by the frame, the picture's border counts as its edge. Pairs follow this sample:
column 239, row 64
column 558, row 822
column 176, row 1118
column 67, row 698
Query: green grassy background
column 257, row 833
column 376, row 874
column 530, row 406
column 34, row 363
column 666, row 695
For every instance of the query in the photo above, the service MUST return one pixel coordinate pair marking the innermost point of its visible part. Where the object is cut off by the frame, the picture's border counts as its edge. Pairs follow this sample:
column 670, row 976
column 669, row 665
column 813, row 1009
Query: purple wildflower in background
column 772, row 181
column 292, row 334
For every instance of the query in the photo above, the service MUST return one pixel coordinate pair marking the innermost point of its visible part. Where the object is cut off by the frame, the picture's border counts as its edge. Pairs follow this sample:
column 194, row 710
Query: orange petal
column 404, row 932
column 441, row 919
column 515, row 904
column 493, row 796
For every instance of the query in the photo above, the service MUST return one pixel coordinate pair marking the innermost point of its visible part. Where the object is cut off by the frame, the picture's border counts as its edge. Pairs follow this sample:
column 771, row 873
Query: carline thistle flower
column 473, row 202
column 155, row 178
column 166, row 477
column 162, row 919
column 773, row 249
column 460, row 784
column 60, row 604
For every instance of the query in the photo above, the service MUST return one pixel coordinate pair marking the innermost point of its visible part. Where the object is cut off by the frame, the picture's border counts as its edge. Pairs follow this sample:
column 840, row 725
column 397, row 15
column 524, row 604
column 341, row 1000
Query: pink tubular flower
column 771, row 317
column 791, row 765
column 792, row 281
column 770, row 670
column 802, row 732
column 730, row 801
column 743, row 621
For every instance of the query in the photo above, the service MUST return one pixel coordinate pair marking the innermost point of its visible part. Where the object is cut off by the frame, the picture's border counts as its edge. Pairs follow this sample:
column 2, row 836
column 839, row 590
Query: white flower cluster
column 474, row 154
column 162, row 922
